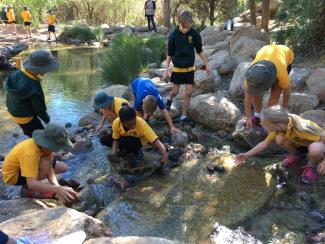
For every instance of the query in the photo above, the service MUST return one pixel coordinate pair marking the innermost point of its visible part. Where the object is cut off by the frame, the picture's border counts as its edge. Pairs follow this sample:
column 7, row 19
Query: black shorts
column 302, row 149
column 51, row 28
column 5, row 21
column 22, row 179
column 12, row 22
column 27, row 23
column 30, row 127
column 180, row 78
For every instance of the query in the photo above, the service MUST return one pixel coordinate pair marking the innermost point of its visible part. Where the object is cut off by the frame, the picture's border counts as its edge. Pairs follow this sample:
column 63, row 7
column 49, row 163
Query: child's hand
column 166, row 75
column 240, row 158
column 208, row 70
column 100, row 128
column 321, row 168
column 165, row 160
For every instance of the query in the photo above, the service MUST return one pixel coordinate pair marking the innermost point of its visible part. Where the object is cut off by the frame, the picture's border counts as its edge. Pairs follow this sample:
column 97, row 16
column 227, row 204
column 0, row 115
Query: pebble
column 68, row 125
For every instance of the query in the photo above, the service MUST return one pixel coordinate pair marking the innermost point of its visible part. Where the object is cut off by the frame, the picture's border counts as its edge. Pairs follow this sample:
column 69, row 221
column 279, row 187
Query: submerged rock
column 131, row 240
column 186, row 203
column 54, row 223
column 179, row 139
column 227, row 236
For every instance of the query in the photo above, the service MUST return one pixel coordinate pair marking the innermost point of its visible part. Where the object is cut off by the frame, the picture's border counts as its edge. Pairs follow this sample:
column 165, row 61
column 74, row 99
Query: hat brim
column 54, row 65
column 103, row 105
column 43, row 141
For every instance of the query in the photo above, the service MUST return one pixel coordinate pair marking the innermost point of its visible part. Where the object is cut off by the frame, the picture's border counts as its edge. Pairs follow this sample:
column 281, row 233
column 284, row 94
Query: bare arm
column 286, row 96
column 206, row 63
column 248, row 114
column 240, row 158
column 167, row 73
column 115, row 147
column 52, row 178
column 158, row 144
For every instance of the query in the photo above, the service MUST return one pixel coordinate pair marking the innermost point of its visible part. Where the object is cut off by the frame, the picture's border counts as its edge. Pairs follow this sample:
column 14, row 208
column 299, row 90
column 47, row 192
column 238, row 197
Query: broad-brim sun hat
column 41, row 61
column 149, row 104
column 260, row 77
column 102, row 100
column 54, row 138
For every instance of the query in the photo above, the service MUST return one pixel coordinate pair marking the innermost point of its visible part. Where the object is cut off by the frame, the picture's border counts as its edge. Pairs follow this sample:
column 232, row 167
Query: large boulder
column 223, row 35
column 120, row 91
column 92, row 119
column 223, row 45
column 214, row 111
column 318, row 116
column 250, row 31
column 209, row 35
column 245, row 48
column 316, row 83
column 54, row 223
column 203, row 82
column 236, row 88
column 189, row 196
column 131, row 240
column 298, row 77
column 219, row 58
column 298, row 103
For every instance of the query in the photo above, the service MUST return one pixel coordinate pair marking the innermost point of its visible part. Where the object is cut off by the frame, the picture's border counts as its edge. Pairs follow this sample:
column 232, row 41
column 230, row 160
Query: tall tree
column 252, row 11
column 167, row 13
column 265, row 15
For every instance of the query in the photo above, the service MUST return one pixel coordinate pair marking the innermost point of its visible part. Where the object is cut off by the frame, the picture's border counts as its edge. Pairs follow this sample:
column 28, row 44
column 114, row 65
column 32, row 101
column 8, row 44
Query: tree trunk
column 265, row 15
column 211, row 12
column 252, row 11
column 167, row 13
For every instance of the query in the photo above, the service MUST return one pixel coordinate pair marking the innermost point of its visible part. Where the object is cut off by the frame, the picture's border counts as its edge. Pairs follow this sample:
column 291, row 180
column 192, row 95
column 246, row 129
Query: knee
column 61, row 167
column 316, row 149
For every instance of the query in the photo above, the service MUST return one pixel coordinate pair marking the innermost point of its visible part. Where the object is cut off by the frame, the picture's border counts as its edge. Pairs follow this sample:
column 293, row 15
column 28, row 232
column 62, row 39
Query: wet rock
column 68, row 125
column 6, row 53
column 179, row 139
column 46, row 222
column 245, row 48
column 163, row 205
column 210, row 35
column 205, row 83
column 213, row 111
column 316, row 83
column 174, row 112
column 227, row 236
column 219, row 58
column 237, row 82
column 148, row 165
column 298, row 78
column 120, row 91
column 131, row 240
column 92, row 118
column 318, row 116
column 298, row 103
column 120, row 182
column 82, row 145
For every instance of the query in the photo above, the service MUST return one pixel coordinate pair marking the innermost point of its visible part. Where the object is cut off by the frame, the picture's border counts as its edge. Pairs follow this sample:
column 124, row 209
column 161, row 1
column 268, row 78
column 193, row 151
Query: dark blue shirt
column 143, row 87
column 3, row 237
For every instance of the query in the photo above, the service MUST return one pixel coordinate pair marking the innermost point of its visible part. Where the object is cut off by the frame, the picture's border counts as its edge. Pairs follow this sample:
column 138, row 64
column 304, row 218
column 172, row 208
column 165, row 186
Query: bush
column 302, row 23
column 99, row 34
column 78, row 31
column 129, row 55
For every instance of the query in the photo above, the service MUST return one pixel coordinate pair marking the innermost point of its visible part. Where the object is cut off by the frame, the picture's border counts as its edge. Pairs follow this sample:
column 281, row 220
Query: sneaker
column 168, row 104
column 188, row 121
column 136, row 159
column 29, row 193
column 308, row 176
column 292, row 160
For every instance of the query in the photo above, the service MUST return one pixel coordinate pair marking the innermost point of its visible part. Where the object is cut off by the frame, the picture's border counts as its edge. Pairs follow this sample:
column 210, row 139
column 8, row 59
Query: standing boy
column 27, row 18
column 11, row 19
column 51, row 20
column 181, row 45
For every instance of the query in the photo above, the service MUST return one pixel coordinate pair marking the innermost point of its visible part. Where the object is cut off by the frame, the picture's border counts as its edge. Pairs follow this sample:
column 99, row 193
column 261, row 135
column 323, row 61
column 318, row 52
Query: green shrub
column 79, row 31
column 99, row 34
column 129, row 55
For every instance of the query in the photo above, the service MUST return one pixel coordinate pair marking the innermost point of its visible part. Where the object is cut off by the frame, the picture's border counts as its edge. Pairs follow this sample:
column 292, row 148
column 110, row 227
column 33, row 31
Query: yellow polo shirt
column 297, row 137
column 51, row 19
column 11, row 15
column 281, row 56
column 26, row 16
column 142, row 131
column 24, row 157
column 117, row 104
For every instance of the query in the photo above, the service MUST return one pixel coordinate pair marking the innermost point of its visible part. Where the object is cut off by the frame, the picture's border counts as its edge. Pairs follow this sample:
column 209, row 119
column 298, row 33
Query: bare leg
column 174, row 91
column 316, row 153
column 286, row 144
column 257, row 102
column 187, row 98
column 54, row 35
column 275, row 95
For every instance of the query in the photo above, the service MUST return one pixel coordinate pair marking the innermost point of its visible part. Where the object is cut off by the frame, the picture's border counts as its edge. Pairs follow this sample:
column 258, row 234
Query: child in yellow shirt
column 11, row 19
column 27, row 18
column 297, row 136
column 51, row 20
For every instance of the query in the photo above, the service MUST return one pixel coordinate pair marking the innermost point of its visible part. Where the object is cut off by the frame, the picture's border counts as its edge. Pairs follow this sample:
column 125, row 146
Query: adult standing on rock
column 150, row 8
column 270, row 69
column 147, row 97
column 31, row 161
column 25, row 97
column 181, row 45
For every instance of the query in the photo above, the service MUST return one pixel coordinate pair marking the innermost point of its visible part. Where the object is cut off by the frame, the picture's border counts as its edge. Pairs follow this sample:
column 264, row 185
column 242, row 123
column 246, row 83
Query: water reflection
column 68, row 91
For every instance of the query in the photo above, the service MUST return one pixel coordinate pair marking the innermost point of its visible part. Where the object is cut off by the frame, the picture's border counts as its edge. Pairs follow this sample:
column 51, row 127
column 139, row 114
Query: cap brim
column 54, row 65
column 41, row 140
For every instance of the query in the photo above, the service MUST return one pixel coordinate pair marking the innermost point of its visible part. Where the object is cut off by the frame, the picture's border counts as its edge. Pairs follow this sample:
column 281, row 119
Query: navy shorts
column 180, row 78
column 51, row 28
column 27, row 23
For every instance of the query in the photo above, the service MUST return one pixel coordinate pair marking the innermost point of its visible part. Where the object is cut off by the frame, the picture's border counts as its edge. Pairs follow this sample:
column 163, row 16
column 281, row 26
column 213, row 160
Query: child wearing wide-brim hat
column 25, row 97
column 31, row 161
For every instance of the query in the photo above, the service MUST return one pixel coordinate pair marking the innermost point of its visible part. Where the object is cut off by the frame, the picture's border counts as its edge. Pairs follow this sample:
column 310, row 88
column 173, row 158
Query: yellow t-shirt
column 26, row 16
column 51, row 19
column 24, row 157
column 11, row 15
column 297, row 137
column 281, row 56
column 142, row 131
column 117, row 104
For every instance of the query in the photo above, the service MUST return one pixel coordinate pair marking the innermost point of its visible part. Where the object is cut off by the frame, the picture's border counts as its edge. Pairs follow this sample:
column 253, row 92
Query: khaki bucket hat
column 41, row 62
column 54, row 138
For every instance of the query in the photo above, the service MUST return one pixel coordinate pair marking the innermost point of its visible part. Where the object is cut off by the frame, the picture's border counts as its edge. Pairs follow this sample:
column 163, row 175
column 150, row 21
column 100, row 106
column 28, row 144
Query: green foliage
column 302, row 25
column 129, row 55
column 99, row 34
column 78, row 31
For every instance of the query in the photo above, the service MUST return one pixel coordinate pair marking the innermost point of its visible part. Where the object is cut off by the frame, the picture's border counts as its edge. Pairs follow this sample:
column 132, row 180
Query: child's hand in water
column 240, row 158
column 321, row 168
